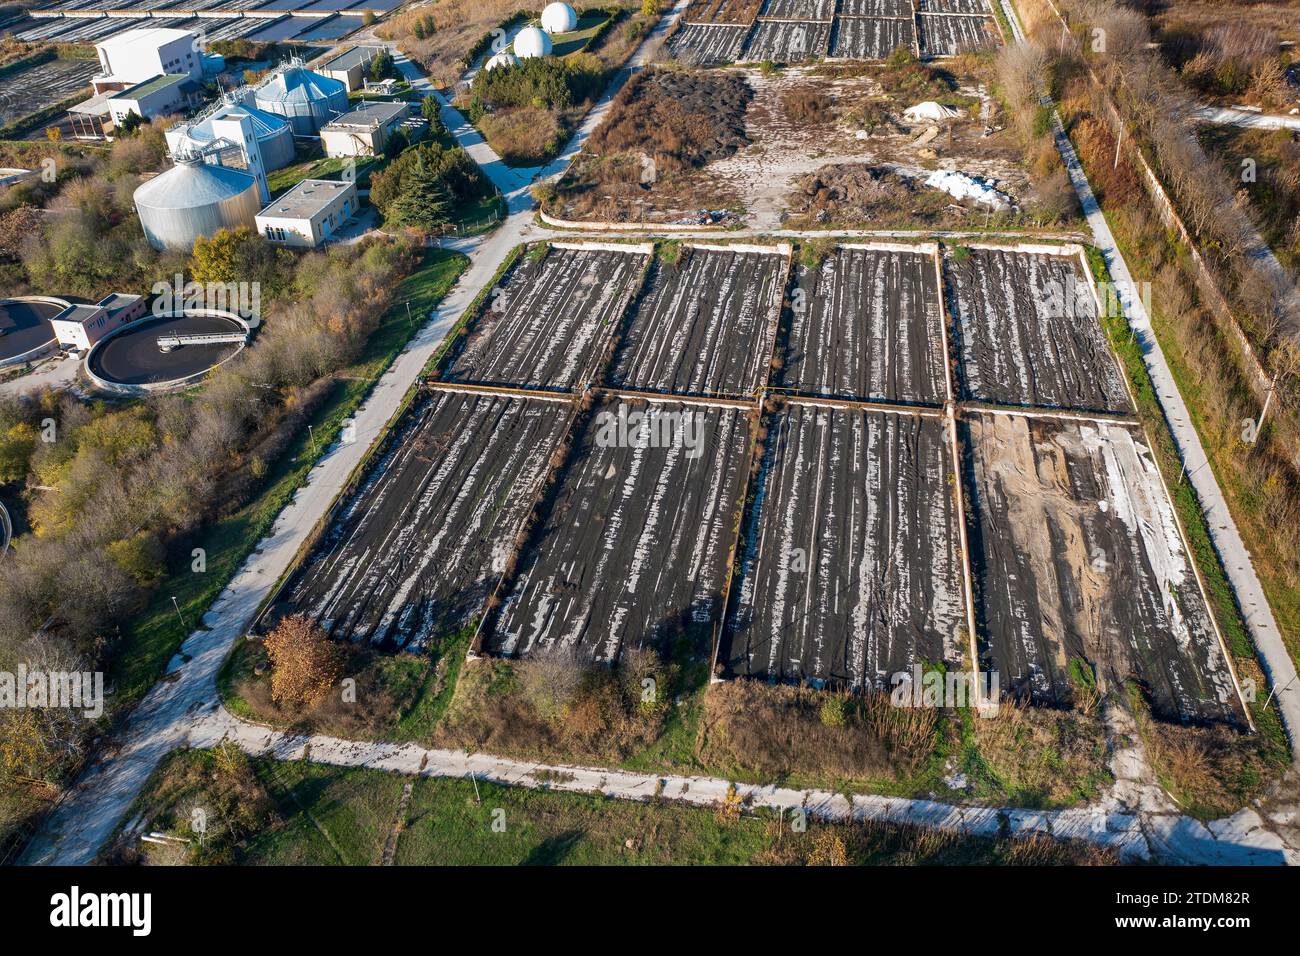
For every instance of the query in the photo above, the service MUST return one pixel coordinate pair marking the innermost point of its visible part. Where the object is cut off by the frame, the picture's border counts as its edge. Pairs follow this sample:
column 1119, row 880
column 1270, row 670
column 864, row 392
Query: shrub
column 806, row 106
column 835, row 711
column 305, row 663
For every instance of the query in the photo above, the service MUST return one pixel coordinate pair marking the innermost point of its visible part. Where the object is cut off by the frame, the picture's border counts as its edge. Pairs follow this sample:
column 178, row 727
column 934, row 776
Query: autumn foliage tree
column 305, row 663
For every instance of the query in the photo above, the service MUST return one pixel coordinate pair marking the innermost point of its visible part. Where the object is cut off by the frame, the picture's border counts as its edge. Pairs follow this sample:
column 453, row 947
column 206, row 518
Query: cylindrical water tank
column 273, row 134
column 559, row 18
column 195, row 199
column 306, row 99
column 531, row 42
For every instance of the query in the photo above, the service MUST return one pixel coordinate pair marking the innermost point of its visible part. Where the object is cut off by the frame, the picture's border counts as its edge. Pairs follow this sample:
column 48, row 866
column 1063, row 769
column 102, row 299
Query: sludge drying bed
column 1028, row 332
column 706, row 324
column 866, row 324
column 545, row 325
column 851, row 570
column 1077, row 557
column 634, row 543
column 415, row 551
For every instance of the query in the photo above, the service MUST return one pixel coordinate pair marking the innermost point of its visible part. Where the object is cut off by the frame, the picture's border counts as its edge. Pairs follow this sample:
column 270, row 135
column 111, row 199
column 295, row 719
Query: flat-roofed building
column 172, row 93
column 81, row 325
column 364, row 131
column 138, row 55
column 309, row 213
column 350, row 67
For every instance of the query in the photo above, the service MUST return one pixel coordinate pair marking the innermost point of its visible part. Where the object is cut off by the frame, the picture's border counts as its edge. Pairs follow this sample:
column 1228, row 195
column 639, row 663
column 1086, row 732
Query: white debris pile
column 968, row 187
column 929, row 110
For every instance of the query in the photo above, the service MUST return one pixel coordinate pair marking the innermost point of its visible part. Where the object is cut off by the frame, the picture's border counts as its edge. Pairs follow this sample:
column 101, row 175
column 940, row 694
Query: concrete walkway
column 1241, row 840
column 1227, row 116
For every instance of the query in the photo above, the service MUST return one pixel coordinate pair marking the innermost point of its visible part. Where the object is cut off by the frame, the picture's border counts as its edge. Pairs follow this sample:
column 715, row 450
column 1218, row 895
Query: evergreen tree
column 424, row 202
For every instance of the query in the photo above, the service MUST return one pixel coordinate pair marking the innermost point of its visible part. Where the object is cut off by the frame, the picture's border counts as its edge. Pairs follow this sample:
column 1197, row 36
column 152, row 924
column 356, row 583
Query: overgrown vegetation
column 558, row 708
column 515, row 106
column 155, row 479
column 801, row 737
column 662, row 123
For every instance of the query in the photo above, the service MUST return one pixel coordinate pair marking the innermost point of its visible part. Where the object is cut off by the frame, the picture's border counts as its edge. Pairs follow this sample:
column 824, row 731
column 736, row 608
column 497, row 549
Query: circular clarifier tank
column 166, row 352
column 25, row 330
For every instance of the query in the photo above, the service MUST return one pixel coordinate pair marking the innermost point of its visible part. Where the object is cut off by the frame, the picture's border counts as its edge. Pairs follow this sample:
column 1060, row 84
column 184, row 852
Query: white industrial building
column 138, row 55
column 159, row 96
column 309, row 213
column 272, row 133
column 363, row 131
column 80, row 326
column 351, row 67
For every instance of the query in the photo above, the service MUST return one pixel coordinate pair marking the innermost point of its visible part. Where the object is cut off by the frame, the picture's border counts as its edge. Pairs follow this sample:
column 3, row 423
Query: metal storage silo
column 306, row 99
column 195, row 199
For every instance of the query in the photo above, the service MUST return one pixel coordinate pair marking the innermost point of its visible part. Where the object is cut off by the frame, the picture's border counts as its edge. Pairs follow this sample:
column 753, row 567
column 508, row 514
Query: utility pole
column 1268, row 400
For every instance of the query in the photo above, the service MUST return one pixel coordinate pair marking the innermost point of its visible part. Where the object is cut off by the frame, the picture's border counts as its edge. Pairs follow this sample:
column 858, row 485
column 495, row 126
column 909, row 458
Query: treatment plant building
column 310, row 213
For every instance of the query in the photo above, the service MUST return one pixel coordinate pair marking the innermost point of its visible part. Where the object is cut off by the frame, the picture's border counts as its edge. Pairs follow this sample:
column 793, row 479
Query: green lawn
column 157, row 633
column 320, row 167
column 589, row 21
column 513, row 826
column 332, row 816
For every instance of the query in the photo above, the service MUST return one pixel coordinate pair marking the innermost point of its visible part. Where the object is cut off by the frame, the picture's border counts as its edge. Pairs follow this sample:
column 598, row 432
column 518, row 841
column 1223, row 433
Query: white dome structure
column 532, row 42
column 504, row 58
column 559, row 18
column 195, row 199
